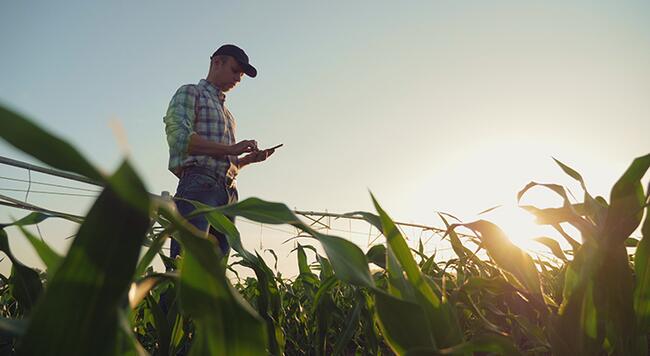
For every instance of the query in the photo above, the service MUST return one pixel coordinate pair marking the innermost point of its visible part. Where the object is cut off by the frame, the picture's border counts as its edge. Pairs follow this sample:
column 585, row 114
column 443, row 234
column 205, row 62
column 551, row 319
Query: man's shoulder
column 188, row 89
column 186, row 95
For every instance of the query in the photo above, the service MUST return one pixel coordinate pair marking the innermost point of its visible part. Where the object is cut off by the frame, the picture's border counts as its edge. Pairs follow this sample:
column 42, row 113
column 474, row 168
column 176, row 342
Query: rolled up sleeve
column 179, row 125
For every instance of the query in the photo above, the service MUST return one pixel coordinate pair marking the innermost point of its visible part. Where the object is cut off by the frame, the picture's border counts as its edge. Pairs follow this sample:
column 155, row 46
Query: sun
column 519, row 226
column 522, row 229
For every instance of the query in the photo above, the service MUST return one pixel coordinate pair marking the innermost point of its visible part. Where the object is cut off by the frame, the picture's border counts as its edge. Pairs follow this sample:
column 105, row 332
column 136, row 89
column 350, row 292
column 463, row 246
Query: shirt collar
column 213, row 90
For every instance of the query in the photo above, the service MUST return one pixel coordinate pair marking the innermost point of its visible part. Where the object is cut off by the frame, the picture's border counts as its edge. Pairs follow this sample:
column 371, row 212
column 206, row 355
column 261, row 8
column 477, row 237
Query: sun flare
column 520, row 227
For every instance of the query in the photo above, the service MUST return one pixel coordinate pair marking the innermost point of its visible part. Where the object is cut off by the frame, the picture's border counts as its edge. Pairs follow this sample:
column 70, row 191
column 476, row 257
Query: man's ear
column 214, row 62
column 219, row 60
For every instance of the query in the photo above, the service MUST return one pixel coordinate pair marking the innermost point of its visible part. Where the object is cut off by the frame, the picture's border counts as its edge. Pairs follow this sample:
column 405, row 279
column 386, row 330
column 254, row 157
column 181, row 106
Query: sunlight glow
column 521, row 228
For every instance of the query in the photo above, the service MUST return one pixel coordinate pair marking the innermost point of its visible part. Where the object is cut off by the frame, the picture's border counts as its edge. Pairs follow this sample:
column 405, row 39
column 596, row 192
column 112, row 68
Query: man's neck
column 220, row 93
column 213, row 82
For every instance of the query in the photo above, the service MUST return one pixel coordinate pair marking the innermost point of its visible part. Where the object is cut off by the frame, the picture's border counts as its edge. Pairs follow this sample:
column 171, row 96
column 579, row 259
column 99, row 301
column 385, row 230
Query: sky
column 432, row 106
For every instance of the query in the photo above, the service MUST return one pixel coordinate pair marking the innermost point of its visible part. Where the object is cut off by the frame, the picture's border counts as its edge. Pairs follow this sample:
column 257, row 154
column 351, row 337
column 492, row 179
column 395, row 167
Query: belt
column 230, row 182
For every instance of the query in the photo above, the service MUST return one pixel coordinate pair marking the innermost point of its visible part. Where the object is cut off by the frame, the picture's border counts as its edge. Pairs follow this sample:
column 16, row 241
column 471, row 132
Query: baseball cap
column 239, row 55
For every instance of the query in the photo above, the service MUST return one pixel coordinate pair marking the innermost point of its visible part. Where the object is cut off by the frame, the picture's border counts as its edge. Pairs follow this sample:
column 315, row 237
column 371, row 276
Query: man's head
column 228, row 65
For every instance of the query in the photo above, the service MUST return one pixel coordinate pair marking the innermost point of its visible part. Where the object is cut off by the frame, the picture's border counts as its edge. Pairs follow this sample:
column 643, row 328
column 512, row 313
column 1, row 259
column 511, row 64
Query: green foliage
column 92, row 280
column 103, row 298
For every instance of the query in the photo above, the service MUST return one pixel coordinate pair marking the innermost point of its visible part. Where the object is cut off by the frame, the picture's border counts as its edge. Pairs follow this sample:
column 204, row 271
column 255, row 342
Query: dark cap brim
column 249, row 70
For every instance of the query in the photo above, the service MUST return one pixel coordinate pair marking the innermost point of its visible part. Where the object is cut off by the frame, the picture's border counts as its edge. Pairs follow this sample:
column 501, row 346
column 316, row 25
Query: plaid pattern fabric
column 199, row 109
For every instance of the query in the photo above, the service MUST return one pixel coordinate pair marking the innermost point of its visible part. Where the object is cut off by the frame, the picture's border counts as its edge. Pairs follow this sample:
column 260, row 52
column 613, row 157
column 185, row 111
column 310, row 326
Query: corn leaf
column 491, row 343
column 377, row 255
column 626, row 202
column 508, row 256
column 40, row 144
column 553, row 245
column 93, row 279
column 24, row 283
column 347, row 259
column 441, row 316
column 642, row 269
column 225, row 323
column 403, row 324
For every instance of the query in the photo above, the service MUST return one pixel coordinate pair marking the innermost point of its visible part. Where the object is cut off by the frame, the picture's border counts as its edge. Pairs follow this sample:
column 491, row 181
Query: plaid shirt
column 199, row 109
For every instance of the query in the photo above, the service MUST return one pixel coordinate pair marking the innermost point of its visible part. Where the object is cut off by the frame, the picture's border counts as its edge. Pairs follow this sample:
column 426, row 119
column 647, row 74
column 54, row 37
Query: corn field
column 103, row 298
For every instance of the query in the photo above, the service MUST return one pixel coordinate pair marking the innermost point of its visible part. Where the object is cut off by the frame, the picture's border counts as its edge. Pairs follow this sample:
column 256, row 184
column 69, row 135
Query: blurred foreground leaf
column 92, row 280
column 38, row 143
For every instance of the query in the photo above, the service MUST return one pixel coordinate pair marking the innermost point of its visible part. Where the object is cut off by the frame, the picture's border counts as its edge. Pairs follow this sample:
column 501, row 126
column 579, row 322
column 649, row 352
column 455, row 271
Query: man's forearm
column 199, row 146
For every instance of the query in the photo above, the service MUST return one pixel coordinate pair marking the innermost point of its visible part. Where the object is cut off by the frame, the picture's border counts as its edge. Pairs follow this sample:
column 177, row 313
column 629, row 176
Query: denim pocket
column 196, row 183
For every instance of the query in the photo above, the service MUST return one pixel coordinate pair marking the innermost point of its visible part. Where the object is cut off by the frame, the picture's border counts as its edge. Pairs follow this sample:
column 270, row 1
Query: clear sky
column 433, row 105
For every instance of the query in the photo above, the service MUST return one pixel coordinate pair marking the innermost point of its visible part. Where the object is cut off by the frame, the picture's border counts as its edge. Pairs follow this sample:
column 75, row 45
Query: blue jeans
column 200, row 184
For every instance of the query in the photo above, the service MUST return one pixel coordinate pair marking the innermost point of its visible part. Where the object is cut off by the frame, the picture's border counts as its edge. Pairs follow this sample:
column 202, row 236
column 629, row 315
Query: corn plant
column 103, row 298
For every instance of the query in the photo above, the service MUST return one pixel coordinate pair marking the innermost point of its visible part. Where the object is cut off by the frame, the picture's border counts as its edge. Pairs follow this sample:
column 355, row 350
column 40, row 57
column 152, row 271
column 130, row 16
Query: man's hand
column 255, row 157
column 244, row 146
column 260, row 156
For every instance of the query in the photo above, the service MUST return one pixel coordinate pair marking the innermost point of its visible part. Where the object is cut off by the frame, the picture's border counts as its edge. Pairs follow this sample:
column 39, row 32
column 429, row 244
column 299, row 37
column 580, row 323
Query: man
column 200, row 130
